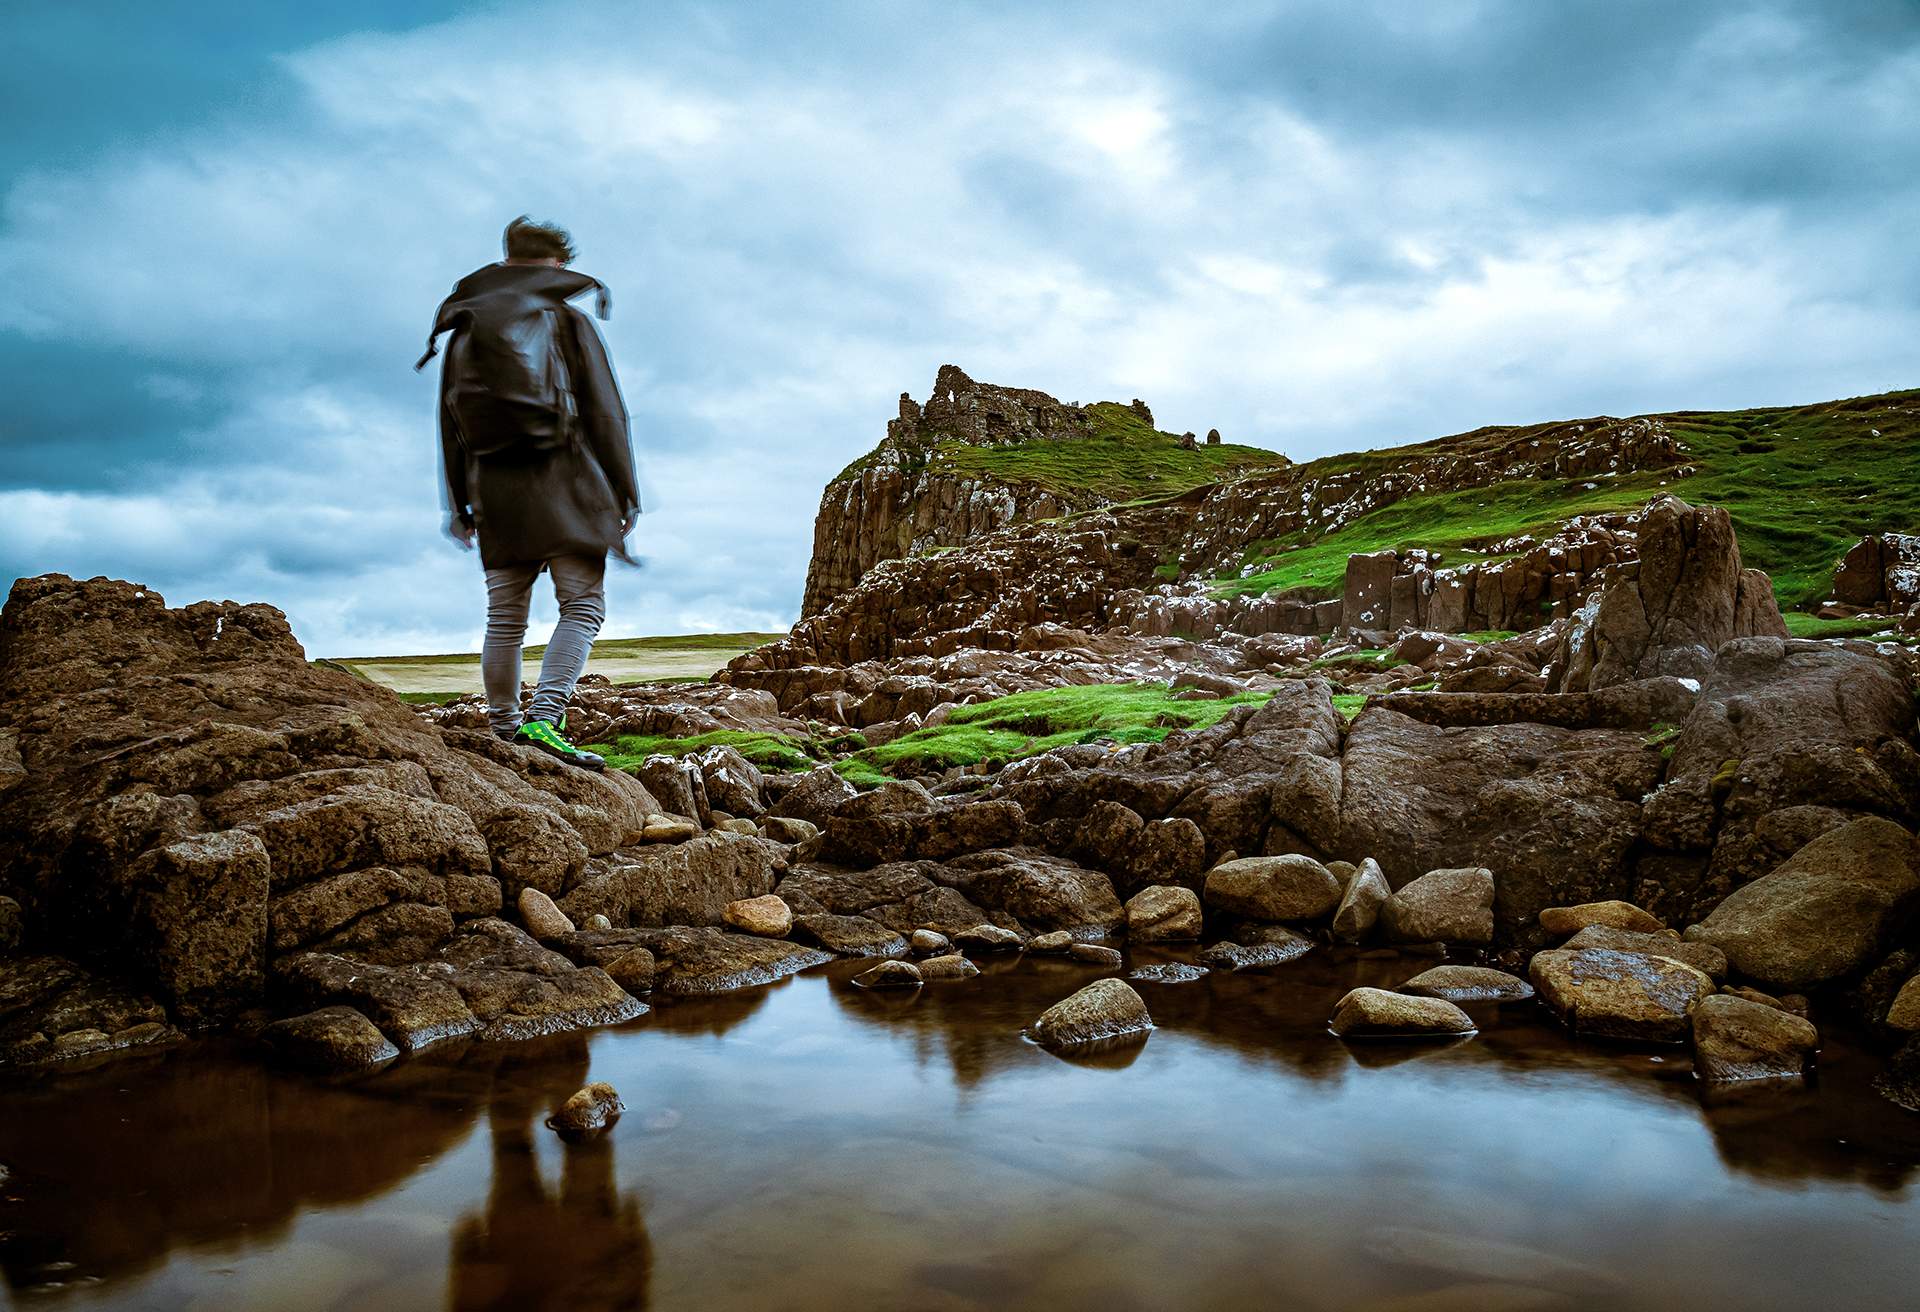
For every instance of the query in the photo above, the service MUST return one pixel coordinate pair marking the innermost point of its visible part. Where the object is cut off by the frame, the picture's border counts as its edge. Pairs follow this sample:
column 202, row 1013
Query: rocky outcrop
column 1669, row 611
column 1880, row 573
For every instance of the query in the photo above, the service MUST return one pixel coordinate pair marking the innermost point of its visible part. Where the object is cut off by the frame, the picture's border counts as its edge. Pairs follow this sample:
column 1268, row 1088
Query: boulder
column 1045, row 891
column 1739, row 1039
column 1468, row 984
column 684, row 884
column 1105, row 1012
column 1703, row 957
column 1276, row 888
column 733, row 783
column 950, row 966
column 413, row 1009
column 1825, row 913
column 1563, row 922
column 1366, row 893
column 890, row 975
column 542, row 918
column 632, row 970
column 819, row 794
column 850, row 936
column 1376, row 1013
column 1904, row 1014
column 987, row 938
column 1163, row 913
column 694, row 961
column 330, row 1039
column 588, row 1113
column 1602, row 993
column 52, row 1009
column 787, row 829
column 1442, row 906
column 1054, row 942
column 765, row 915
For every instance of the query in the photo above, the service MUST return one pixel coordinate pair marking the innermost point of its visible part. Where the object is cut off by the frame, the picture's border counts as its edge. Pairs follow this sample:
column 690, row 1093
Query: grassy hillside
column 1121, row 458
column 1802, row 483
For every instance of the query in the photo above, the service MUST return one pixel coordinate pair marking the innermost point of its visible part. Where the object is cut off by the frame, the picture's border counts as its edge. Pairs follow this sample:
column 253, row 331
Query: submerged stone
column 950, row 966
column 330, row 1039
column 890, row 975
column 1106, row 1011
column 1740, row 1039
column 1231, row 956
column 589, row 1112
column 1377, row 1013
column 1620, row 995
column 1468, row 984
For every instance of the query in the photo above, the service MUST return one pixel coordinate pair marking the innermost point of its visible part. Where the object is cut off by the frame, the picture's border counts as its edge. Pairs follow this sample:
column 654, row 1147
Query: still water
column 812, row 1145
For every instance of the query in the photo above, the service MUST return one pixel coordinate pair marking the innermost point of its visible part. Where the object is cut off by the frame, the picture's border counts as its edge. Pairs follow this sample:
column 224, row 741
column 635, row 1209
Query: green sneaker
column 546, row 736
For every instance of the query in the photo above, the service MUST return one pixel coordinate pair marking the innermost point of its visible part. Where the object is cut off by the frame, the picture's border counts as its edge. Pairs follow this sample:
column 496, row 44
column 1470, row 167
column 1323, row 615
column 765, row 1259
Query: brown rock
column 1620, row 995
column 1468, row 984
column 890, row 975
column 330, row 1039
column 1376, row 1013
column 1359, row 910
column 1703, row 957
column 1738, row 1039
column 951, row 966
column 1614, row 914
column 1274, row 888
column 766, row 916
column 1163, row 913
column 1104, row 1012
column 1442, row 906
column 542, row 918
column 588, row 1113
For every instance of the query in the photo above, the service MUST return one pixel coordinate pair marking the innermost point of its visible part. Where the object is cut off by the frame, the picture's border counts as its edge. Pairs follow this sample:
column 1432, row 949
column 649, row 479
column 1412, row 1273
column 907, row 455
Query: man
column 538, row 466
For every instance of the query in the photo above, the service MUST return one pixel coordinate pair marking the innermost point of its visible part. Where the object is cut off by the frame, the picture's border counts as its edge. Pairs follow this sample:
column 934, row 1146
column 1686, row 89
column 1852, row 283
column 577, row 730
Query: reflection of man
column 538, row 465
column 580, row 1248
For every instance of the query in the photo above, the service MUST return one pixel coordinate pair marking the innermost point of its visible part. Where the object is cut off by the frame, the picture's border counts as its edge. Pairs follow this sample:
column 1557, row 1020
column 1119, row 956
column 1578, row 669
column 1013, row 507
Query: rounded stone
column 1620, row 995
column 542, row 918
column 950, row 966
column 1378, row 1014
column 1103, row 1012
column 1468, row 984
column 767, row 916
column 1093, row 954
column 1163, row 913
column 330, row 1039
column 1442, row 906
column 890, row 975
column 1291, row 887
column 1737, row 1039
column 928, row 942
column 1562, row 922
column 589, row 1112
column 1053, row 942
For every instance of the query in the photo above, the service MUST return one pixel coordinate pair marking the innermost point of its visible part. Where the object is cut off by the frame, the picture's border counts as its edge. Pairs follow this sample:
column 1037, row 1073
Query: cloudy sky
column 224, row 227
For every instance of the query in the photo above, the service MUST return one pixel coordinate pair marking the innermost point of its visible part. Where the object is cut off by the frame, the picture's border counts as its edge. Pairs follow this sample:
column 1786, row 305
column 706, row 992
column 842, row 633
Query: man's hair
column 527, row 240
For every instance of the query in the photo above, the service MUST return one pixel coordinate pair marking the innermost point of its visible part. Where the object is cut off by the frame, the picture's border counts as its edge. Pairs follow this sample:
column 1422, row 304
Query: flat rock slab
column 1105, row 1012
column 890, row 975
column 54, row 1010
column 950, row 966
column 1168, row 972
column 1620, row 995
column 1614, row 914
column 1378, row 1014
column 414, row 1008
column 703, row 960
column 850, row 936
column 1703, row 957
column 1468, row 984
column 1256, row 956
column 330, row 1039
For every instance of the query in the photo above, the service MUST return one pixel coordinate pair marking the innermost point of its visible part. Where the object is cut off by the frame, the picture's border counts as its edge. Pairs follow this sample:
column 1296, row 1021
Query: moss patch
column 768, row 750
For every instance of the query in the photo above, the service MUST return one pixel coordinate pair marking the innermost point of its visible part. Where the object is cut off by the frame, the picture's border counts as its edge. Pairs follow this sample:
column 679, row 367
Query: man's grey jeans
column 579, row 585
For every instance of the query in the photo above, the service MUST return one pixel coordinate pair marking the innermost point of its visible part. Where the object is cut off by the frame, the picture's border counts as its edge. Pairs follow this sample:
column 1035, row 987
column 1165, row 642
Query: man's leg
column 579, row 585
column 508, row 592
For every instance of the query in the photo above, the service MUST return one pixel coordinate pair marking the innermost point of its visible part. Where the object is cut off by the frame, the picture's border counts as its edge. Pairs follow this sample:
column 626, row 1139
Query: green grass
column 428, row 698
column 1802, row 484
column 1120, row 458
column 1373, row 658
column 770, row 750
column 1028, row 723
column 1802, row 625
column 1349, row 704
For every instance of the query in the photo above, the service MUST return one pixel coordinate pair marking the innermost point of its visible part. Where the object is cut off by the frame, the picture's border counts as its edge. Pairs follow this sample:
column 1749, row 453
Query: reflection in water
column 816, row 1145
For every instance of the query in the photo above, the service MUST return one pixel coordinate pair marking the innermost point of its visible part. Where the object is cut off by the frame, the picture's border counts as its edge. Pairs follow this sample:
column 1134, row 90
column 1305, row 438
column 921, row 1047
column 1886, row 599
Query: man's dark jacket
column 533, row 485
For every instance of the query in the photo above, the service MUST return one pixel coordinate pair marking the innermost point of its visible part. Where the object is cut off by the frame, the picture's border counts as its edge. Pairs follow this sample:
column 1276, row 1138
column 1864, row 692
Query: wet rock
column 688, row 883
column 1793, row 1004
column 588, row 1113
column 598, row 923
column 817, row 796
column 1040, row 890
column 1167, row 972
column 54, row 1010
column 1377, row 1013
column 1052, row 943
column 1614, row 914
column 1442, row 906
column 766, row 916
column 901, row 895
column 987, row 938
column 692, row 961
column 1365, row 894
column 850, row 936
column 788, row 829
column 669, row 829
column 1275, row 888
column 1163, row 913
column 542, row 918
column 950, row 966
column 890, row 975
column 414, row 1009
column 1904, row 1014
column 1106, row 1011
column 1738, row 1039
column 1900, row 1082
column 518, row 989
column 330, row 1039
column 1703, row 957
column 928, row 942
column 1468, row 984
column 1094, row 954
column 1823, row 914
column 1233, row 957
column 1602, row 993
column 632, row 970
column 12, row 925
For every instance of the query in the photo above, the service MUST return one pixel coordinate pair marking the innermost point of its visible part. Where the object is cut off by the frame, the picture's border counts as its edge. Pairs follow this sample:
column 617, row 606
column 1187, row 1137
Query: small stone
column 668, row 829
column 1904, row 1014
column 633, row 970
column 1793, row 1004
column 767, row 916
column 600, row 923
column 542, row 918
column 587, row 1113
column 788, row 829
column 330, row 1039
column 1106, row 1011
column 988, row 938
column 1168, row 972
column 1366, row 892
column 890, row 975
column 1446, row 906
column 951, row 966
column 1053, row 942
column 928, row 942
column 738, row 825
column 1565, row 921
column 1231, row 956
column 1093, row 954
column 1620, row 995
column 1468, row 984
column 1739, row 1039
column 1377, row 1013
column 1163, row 913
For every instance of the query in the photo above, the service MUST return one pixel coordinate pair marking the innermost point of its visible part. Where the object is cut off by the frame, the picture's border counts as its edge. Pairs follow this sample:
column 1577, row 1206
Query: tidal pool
column 812, row 1145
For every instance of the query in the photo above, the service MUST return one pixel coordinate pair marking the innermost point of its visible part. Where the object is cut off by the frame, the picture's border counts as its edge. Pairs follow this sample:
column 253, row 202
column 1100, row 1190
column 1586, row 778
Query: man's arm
column 453, row 469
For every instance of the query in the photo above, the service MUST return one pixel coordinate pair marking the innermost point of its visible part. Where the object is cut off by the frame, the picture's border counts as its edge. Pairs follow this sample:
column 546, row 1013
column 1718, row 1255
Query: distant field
column 623, row 660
